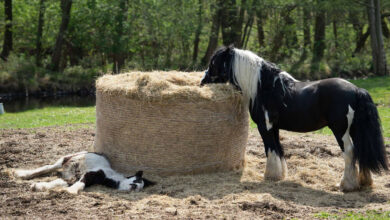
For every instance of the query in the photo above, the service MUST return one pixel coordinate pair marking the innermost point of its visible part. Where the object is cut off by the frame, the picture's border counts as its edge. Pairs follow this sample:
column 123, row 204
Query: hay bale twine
column 164, row 123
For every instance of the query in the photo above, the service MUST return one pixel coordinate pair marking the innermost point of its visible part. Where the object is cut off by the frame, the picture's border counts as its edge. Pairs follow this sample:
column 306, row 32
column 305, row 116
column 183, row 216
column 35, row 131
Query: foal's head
column 220, row 67
column 136, row 182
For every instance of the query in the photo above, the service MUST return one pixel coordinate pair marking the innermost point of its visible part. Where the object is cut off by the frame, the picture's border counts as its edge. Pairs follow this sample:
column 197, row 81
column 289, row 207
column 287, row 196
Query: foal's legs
column 276, row 167
column 341, row 130
column 41, row 186
column 29, row 174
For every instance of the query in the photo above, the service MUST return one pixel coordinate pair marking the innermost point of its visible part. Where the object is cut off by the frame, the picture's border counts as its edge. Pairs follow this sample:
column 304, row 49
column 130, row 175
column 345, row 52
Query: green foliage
column 160, row 34
column 19, row 72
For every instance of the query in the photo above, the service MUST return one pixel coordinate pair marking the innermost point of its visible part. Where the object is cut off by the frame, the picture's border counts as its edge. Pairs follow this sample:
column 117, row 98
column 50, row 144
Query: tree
column 119, row 47
column 319, row 38
column 198, row 32
column 7, row 44
column 261, row 17
column 213, row 39
column 39, row 32
column 283, row 33
column 378, row 51
column 233, row 19
column 66, row 6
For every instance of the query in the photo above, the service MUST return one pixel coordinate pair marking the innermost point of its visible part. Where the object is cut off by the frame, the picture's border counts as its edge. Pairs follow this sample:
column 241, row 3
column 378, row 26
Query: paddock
column 310, row 189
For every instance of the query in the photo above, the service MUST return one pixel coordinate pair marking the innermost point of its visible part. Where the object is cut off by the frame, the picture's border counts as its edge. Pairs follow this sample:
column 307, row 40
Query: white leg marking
column 284, row 168
column 349, row 182
column 76, row 188
column 274, row 167
column 268, row 124
column 28, row 174
column 41, row 186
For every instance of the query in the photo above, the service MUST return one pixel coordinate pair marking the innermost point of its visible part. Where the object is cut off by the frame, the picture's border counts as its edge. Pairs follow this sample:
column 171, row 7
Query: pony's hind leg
column 341, row 130
column 41, row 186
column 29, row 174
column 365, row 178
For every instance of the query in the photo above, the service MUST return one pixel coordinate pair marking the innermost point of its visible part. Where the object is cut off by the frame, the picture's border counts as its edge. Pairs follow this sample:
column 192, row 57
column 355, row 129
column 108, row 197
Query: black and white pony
column 278, row 101
column 84, row 169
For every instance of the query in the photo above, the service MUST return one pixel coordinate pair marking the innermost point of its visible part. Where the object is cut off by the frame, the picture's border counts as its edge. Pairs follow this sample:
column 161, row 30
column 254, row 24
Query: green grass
column 370, row 214
column 378, row 87
column 49, row 116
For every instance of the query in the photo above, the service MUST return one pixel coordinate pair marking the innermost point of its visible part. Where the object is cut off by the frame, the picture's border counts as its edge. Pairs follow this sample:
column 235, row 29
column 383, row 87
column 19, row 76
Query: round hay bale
column 164, row 123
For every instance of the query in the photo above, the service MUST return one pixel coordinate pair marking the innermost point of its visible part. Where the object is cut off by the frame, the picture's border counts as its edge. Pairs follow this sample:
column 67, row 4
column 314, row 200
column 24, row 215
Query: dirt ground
column 315, row 167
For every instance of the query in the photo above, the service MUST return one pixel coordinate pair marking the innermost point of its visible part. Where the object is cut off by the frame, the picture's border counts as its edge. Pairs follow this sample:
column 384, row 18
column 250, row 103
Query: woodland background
column 63, row 45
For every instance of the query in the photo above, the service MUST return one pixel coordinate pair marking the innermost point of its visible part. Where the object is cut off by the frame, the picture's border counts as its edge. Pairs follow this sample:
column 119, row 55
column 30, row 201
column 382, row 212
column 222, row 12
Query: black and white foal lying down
column 278, row 101
column 84, row 169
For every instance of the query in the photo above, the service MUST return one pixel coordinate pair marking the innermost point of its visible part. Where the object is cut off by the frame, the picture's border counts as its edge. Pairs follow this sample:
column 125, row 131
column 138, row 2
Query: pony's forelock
column 246, row 72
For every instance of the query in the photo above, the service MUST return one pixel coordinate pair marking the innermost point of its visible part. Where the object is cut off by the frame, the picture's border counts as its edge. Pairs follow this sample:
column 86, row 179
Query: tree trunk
column 361, row 41
column 66, row 6
column 306, row 27
column 7, row 44
column 119, row 48
column 378, row 51
column 213, row 40
column 198, row 32
column 306, row 39
column 358, row 28
column 249, row 24
column 260, row 22
column 335, row 34
column 319, row 40
column 282, row 34
column 232, row 21
column 38, row 55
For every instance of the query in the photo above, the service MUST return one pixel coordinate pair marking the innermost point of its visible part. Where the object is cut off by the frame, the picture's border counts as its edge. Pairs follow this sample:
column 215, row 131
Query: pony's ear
column 230, row 47
column 148, row 182
column 139, row 173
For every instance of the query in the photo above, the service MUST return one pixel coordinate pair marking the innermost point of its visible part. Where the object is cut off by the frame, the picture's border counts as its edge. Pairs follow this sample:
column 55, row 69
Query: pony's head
column 220, row 67
column 239, row 67
column 136, row 182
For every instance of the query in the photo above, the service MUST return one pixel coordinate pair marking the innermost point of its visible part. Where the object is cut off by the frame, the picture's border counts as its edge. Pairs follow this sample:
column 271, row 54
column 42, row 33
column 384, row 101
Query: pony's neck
column 246, row 72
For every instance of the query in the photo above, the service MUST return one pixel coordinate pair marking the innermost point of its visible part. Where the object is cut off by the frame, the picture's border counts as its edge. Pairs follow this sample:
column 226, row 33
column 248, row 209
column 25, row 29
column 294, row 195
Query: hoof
column 22, row 174
column 273, row 177
column 72, row 191
column 276, row 167
column 349, row 186
column 37, row 187
column 365, row 178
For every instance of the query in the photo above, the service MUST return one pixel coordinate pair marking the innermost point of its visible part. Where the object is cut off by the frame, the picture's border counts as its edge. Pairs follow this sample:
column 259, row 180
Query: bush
column 19, row 72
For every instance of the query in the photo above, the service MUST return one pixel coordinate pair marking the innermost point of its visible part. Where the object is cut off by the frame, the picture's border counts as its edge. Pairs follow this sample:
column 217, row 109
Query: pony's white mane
column 246, row 71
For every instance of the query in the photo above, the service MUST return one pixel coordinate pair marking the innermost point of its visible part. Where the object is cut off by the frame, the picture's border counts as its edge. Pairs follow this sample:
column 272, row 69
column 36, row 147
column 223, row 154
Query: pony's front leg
column 76, row 188
column 276, row 167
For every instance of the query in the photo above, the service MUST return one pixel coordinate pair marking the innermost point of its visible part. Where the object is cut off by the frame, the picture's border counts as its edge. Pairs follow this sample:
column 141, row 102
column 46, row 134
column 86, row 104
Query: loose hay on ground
column 220, row 195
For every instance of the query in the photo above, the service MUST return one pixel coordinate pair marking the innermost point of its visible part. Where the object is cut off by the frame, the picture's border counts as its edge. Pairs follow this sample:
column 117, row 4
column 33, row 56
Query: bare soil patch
column 315, row 167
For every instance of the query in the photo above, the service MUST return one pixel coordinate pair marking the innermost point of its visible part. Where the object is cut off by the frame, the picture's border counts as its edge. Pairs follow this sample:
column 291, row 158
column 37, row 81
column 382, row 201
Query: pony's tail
column 366, row 133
